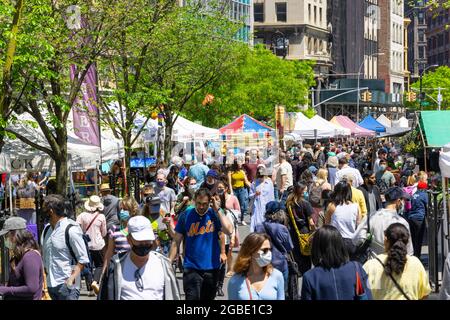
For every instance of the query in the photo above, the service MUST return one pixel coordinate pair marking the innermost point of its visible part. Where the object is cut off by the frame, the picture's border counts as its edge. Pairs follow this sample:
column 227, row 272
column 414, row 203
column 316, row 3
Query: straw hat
column 105, row 187
column 93, row 204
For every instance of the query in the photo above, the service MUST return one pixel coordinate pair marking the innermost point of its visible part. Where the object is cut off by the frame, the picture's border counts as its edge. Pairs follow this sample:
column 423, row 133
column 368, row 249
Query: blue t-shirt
column 273, row 288
column 201, row 235
column 199, row 172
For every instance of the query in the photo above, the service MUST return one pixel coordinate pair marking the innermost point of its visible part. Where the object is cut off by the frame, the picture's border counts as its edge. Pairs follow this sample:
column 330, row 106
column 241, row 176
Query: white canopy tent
column 185, row 130
column 400, row 123
column 319, row 121
column 81, row 155
column 315, row 128
column 384, row 121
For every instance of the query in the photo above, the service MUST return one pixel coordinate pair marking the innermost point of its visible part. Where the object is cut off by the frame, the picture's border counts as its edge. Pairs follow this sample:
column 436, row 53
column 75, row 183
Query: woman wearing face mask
column 26, row 273
column 261, row 193
column 185, row 199
column 233, row 210
column 300, row 212
column 255, row 278
column 117, row 242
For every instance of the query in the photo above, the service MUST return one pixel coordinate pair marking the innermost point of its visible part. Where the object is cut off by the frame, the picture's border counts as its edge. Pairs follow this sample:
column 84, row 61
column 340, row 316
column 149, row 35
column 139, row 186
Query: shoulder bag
column 360, row 293
column 305, row 239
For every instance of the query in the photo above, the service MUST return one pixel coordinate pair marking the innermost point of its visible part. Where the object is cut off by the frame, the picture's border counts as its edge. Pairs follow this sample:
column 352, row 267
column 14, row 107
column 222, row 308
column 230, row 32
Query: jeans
column 242, row 195
column 61, row 292
column 200, row 284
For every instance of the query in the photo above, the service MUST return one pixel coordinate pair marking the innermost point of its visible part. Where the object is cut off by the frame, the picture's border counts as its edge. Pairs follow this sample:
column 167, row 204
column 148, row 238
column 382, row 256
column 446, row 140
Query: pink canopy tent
column 355, row 129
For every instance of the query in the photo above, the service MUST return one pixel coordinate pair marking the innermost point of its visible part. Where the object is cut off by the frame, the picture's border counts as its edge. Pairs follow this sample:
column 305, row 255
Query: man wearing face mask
column 166, row 195
column 199, row 228
column 211, row 181
column 382, row 219
column 140, row 274
column 63, row 264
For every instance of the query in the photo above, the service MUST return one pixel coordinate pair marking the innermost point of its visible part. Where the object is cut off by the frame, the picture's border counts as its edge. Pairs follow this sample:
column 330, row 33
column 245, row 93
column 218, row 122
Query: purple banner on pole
column 85, row 113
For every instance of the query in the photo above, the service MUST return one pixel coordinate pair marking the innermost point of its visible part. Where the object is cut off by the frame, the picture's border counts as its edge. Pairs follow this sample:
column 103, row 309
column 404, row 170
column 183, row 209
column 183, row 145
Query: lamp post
column 421, row 75
column 279, row 35
column 359, row 75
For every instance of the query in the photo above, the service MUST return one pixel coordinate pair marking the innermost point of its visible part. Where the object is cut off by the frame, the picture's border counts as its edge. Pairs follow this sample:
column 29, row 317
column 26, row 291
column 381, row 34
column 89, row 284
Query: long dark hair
column 299, row 188
column 342, row 193
column 328, row 248
column 397, row 236
column 24, row 241
column 234, row 166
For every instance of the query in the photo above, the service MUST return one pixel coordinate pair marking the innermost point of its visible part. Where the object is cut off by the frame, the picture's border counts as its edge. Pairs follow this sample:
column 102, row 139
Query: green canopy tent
column 435, row 128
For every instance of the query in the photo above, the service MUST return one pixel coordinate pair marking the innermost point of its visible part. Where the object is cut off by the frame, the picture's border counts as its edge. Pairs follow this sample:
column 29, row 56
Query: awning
column 435, row 126
column 371, row 124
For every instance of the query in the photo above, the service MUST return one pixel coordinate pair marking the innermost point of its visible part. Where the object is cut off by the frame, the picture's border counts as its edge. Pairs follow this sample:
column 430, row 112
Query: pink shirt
column 97, row 230
column 232, row 203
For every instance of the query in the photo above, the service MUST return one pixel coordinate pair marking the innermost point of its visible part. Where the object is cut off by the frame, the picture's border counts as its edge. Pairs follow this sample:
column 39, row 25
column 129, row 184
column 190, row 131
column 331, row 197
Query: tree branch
column 31, row 143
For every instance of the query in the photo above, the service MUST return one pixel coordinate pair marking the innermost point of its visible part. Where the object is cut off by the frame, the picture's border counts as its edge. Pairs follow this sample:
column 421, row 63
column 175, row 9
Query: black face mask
column 142, row 251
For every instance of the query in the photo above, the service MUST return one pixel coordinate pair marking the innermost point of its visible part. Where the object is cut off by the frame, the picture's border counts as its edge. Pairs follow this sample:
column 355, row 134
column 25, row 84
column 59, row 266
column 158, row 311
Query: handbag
column 360, row 293
column 305, row 239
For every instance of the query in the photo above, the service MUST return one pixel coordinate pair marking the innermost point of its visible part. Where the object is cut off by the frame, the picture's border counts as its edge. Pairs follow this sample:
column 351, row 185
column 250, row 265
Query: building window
column 280, row 9
column 309, row 12
column 258, row 12
column 315, row 15
column 320, row 16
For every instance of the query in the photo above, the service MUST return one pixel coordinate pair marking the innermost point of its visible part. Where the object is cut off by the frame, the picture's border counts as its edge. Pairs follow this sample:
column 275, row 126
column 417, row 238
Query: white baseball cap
column 140, row 229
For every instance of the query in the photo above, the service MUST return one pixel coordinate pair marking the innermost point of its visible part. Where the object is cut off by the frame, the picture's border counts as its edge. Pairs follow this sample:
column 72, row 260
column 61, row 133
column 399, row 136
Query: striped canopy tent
column 245, row 123
column 355, row 129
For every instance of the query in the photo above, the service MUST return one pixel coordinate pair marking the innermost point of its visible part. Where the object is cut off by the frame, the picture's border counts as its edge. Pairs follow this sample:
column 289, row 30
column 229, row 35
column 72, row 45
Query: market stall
column 371, row 124
column 355, row 129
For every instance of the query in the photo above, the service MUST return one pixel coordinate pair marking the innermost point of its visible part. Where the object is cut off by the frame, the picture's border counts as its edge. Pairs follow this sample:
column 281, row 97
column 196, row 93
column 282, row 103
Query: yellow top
column 358, row 198
column 238, row 179
column 413, row 280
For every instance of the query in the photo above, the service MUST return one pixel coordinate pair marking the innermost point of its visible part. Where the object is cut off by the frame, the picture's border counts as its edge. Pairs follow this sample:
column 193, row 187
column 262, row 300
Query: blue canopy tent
column 371, row 124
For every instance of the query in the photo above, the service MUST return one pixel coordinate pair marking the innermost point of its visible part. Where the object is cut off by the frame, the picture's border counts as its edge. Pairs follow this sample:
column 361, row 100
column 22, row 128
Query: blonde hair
column 422, row 176
column 411, row 181
column 322, row 174
column 130, row 204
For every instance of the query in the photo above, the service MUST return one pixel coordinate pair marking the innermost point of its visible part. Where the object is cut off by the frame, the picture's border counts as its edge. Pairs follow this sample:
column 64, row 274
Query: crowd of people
column 346, row 219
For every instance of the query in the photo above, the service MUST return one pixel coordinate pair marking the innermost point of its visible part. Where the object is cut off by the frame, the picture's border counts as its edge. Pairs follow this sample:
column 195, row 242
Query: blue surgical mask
column 306, row 195
column 124, row 215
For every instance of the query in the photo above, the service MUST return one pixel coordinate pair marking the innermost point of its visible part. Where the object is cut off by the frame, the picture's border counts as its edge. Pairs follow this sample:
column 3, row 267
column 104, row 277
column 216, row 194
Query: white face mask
column 9, row 244
column 264, row 259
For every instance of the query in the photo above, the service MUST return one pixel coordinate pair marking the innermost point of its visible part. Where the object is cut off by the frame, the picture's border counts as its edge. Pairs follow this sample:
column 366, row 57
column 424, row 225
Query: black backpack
column 86, row 239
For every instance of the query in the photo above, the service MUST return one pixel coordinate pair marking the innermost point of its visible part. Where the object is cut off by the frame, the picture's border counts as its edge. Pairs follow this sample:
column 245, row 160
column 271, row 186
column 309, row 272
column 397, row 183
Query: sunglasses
column 138, row 280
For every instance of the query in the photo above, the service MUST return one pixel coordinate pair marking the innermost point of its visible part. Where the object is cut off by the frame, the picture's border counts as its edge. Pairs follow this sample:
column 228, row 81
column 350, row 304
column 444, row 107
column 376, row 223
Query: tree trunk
column 62, row 173
column 127, row 164
column 168, row 138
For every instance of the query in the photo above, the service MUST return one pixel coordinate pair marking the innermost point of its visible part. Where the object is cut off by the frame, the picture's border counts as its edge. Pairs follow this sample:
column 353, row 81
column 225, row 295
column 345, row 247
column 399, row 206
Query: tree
column 258, row 82
column 161, row 61
column 57, row 36
column 435, row 79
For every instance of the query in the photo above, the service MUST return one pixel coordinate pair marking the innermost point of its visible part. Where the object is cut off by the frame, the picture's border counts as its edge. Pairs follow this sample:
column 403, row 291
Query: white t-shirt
column 285, row 168
column 152, row 275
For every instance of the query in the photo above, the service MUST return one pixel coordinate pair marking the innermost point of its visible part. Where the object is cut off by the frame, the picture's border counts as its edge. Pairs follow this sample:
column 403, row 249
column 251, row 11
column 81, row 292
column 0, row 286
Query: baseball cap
column 274, row 206
column 212, row 173
column 140, row 229
column 13, row 223
column 396, row 193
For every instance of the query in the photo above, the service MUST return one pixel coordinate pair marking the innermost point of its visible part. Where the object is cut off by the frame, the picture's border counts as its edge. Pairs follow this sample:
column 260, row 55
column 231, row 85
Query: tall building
column 391, row 34
column 294, row 29
column 242, row 10
column 355, row 40
column 417, row 37
column 438, row 37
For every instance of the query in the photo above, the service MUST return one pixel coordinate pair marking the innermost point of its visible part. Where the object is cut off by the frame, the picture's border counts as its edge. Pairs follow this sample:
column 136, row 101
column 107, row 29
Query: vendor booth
column 355, row 129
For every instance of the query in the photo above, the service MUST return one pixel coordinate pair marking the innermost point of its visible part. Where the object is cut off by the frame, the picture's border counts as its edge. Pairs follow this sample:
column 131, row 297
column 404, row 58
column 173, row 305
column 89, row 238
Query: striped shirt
column 120, row 239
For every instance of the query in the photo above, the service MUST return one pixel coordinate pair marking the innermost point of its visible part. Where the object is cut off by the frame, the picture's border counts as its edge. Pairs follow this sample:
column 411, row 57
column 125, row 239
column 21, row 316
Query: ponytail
column 397, row 236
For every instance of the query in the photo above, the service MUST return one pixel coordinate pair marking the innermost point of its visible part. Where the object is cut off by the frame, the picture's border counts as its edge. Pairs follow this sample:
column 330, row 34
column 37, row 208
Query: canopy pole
column 10, row 196
column 96, row 176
